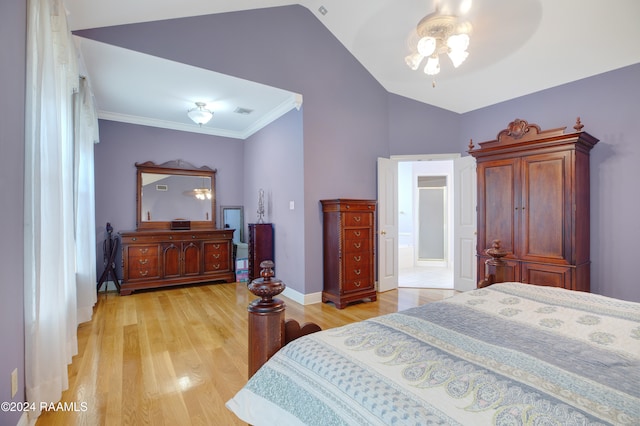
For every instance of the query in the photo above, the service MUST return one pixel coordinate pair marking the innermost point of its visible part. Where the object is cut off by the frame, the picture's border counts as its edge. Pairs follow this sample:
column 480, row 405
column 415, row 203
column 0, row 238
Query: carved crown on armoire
column 533, row 197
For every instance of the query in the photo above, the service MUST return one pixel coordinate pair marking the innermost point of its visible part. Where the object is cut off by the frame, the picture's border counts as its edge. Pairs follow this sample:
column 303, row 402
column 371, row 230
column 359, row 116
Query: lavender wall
column 417, row 128
column 609, row 107
column 345, row 109
column 282, row 179
column 12, row 101
column 350, row 120
column 122, row 145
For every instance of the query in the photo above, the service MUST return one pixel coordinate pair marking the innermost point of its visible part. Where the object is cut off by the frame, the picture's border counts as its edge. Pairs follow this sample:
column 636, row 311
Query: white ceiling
column 517, row 48
column 136, row 88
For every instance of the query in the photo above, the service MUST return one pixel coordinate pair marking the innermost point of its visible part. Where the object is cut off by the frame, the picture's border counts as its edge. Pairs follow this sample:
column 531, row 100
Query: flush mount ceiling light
column 200, row 115
column 438, row 34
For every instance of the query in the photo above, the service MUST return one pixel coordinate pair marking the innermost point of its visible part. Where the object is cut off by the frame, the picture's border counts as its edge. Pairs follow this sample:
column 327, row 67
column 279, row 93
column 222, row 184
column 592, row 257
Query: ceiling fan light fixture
column 457, row 57
column 202, row 193
column 426, row 46
column 200, row 114
column 438, row 34
column 433, row 65
column 413, row 61
column 458, row 42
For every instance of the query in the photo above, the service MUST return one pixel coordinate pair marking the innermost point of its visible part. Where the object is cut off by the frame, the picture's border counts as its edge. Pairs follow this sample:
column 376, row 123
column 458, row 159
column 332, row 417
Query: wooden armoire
column 348, row 241
column 533, row 196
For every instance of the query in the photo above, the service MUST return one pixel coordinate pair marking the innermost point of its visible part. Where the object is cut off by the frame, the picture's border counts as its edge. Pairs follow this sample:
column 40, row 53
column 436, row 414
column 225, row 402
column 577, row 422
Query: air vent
column 243, row 111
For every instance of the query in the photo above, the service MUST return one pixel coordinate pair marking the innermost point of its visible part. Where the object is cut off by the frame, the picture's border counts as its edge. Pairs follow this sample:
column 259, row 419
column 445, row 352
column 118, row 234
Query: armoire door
column 546, row 208
column 498, row 204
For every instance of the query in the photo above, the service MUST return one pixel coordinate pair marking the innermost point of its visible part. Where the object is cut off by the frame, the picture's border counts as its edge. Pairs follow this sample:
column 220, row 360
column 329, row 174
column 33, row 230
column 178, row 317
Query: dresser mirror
column 175, row 191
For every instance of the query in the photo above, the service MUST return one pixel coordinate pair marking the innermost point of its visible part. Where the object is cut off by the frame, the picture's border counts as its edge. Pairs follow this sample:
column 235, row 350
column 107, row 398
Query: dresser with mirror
column 176, row 240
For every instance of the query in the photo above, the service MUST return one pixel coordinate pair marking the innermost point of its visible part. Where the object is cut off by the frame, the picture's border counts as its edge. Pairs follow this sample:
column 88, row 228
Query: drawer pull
column 357, row 258
column 134, row 239
column 171, row 237
column 216, row 256
column 216, row 246
column 356, row 233
column 357, row 245
column 357, row 218
column 143, row 261
column 144, row 273
column 357, row 283
column 193, row 236
column 216, row 266
column 143, row 250
column 357, row 271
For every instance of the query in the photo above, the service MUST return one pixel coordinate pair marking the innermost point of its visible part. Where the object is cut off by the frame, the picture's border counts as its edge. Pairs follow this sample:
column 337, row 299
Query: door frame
column 392, row 281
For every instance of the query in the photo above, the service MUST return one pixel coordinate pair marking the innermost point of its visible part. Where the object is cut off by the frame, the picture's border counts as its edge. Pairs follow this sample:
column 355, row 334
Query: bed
column 509, row 353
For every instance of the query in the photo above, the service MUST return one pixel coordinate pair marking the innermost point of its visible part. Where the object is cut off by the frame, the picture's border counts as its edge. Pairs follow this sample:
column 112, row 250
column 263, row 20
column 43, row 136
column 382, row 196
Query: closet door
column 498, row 204
column 546, row 225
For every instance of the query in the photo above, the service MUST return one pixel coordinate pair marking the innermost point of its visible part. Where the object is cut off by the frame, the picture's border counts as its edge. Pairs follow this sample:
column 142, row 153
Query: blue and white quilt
column 509, row 354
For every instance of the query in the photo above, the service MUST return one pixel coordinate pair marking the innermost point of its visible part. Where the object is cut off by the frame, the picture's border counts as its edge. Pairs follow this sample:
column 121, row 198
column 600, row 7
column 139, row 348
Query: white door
column 387, row 224
column 464, row 227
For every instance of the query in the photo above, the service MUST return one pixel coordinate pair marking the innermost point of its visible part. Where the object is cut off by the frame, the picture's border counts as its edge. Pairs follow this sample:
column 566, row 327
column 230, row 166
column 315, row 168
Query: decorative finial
column 496, row 251
column 266, row 287
column 470, row 146
column 260, row 205
column 578, row 125
column 267, row 270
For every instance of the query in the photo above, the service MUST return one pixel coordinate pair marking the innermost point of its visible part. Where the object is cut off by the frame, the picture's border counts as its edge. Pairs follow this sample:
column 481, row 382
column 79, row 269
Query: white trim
column 294, row 101
column 303, row 299
column 425, row 157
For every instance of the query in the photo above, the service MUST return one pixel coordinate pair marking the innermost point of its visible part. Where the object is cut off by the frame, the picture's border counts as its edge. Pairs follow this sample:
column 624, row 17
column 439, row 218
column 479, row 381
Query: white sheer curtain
column 51, row 292
column 86, row 135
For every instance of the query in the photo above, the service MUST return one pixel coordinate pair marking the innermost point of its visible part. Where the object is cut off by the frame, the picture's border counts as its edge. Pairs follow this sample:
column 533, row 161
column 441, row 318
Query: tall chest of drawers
column 348, row 251
column 261, row 247
column 159, row 258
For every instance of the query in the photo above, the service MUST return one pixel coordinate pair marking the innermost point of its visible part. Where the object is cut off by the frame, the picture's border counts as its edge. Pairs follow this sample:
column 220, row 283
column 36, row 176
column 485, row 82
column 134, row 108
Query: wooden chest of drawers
column 152, row 259
column 348, row 251
column 260, row 247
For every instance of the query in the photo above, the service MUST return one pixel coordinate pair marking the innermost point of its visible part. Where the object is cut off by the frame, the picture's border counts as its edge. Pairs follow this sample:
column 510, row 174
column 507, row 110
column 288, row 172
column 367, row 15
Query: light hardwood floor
column 175, row 356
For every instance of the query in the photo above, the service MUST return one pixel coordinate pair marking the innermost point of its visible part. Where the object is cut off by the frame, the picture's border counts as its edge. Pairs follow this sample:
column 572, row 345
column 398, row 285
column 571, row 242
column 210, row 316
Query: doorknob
column 383, row 232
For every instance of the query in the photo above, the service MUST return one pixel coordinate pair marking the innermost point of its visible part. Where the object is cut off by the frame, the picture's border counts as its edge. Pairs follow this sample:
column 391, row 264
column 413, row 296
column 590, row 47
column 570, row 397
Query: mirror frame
column 240, row 210
column 177, row 167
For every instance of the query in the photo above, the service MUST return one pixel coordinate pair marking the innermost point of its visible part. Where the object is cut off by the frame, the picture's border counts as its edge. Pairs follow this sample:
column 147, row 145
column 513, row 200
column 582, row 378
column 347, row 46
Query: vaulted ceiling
column 517, row 48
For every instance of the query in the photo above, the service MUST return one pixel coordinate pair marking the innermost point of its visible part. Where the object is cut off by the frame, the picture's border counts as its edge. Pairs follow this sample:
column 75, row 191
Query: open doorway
column 397, row 224
column 425, row 218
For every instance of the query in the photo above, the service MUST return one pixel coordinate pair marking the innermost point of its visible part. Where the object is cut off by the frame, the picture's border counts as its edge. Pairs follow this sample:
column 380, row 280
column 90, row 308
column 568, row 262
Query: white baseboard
column 303, row 299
